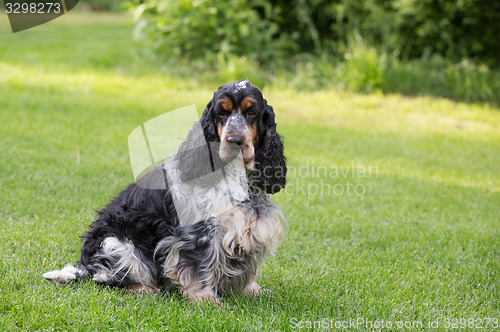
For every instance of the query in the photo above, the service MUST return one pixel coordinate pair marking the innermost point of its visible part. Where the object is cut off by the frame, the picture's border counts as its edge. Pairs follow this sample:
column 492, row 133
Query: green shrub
column 363, row 68
column 265, row 30
column 465, row 80
column 398, row 46
column 213, row 30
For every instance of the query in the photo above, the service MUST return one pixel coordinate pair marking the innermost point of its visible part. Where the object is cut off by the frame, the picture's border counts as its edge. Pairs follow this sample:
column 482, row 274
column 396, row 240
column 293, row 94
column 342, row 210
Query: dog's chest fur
column 226, row 251
column 246, row 236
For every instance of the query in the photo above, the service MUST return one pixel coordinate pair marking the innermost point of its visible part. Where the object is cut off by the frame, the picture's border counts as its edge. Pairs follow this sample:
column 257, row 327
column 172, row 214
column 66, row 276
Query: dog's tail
column 67, row 274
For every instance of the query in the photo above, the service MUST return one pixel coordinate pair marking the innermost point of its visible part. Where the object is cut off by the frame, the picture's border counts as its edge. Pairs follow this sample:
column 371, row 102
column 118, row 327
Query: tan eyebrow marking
column 246, row 103
column 226, row 104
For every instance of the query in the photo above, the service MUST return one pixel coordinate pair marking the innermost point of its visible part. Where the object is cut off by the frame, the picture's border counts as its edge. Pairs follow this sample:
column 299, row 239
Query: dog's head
column 241, row 120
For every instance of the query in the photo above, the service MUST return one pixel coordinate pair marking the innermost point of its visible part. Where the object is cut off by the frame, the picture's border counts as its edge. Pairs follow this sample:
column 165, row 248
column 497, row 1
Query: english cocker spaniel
column 202, row 221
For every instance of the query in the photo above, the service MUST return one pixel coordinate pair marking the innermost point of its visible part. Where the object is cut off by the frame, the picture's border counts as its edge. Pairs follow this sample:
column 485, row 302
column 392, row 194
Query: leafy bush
column 435, row 47
column 265, row 30
column 453, row 29
column 211, row 30
column 465, row 80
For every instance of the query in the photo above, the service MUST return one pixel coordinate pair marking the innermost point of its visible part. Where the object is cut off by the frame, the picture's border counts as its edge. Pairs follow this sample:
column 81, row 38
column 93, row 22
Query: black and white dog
column 203, row 221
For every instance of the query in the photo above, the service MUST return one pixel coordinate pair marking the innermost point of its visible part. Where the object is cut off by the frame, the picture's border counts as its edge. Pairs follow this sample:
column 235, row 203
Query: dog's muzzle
column 236, row 137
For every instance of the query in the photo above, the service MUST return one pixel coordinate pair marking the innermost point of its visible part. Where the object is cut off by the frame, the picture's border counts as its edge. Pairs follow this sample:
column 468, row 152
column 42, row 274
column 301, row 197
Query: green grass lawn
column 417, row 239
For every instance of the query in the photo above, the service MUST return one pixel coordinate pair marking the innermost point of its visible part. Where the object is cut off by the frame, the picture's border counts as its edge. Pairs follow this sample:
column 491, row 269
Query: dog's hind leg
column 120, row 263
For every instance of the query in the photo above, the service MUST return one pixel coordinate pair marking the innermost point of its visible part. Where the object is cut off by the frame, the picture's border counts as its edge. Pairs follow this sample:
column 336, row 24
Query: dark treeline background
column 387, row 45
column 455, row 29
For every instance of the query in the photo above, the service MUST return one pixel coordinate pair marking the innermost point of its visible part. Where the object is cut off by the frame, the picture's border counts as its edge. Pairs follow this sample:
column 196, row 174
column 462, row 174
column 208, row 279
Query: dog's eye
column 251, row 113
column 223, row 114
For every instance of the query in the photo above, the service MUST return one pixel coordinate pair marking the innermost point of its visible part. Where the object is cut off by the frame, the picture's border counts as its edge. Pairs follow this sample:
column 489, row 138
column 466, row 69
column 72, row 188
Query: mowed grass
column 393, row 203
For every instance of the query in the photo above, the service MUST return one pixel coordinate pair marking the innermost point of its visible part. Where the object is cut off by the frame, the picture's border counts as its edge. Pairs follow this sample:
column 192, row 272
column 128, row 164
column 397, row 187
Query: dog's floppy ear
column 269, row 157
column 208, row 123
column 196, row 154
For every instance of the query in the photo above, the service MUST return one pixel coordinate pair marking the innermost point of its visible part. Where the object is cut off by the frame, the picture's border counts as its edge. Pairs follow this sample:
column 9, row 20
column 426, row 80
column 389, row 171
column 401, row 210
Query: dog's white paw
column 66, row 274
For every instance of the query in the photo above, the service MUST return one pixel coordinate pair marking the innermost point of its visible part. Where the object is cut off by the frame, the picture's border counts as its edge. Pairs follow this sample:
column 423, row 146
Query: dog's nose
column 238, row 140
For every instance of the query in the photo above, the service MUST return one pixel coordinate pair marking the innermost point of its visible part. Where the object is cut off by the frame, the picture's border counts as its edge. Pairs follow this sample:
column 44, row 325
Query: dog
column 202, row 222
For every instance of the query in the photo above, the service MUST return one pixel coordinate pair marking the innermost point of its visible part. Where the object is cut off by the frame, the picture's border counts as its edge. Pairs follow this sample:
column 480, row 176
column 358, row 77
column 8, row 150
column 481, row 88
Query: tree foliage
column 265, row 30
column 209, row 29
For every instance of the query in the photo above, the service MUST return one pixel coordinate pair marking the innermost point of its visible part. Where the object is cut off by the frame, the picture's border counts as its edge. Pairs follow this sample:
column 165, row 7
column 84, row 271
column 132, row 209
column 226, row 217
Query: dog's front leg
column 188, row 282
column 197, row 294
column 252, row 289
column 142, row 289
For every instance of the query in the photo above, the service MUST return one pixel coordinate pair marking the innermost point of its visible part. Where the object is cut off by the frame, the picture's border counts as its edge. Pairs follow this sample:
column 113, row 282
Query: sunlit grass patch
column 420, row 242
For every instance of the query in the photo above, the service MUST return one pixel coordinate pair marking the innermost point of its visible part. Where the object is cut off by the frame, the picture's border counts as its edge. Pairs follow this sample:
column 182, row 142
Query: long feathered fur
column 215, row 242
